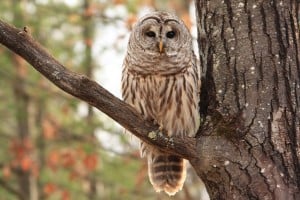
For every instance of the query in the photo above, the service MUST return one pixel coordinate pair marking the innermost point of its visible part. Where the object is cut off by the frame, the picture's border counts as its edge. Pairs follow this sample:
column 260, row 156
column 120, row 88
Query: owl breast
column 169, row 100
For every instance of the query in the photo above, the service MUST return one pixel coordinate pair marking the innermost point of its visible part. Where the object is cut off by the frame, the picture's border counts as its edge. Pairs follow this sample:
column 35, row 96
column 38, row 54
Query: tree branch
column 89, row 91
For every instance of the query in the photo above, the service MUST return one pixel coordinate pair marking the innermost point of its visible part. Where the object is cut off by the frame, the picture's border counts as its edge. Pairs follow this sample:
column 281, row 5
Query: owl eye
column 171, row 34
column 150, row 34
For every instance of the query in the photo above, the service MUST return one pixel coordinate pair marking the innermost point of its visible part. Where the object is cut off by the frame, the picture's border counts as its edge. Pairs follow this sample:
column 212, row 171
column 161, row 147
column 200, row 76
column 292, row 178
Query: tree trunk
column 88, row 30
column 250, row 99
column 22, row 105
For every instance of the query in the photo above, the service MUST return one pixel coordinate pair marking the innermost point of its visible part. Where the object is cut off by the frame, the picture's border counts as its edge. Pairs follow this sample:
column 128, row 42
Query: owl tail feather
column 166, row 172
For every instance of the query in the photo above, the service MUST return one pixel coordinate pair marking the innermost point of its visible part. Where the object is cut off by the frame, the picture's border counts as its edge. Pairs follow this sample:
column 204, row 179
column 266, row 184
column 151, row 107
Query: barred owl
column 160, row 79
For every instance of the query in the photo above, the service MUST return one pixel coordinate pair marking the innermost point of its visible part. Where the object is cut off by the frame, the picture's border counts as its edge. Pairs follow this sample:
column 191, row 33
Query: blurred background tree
column 52, row 145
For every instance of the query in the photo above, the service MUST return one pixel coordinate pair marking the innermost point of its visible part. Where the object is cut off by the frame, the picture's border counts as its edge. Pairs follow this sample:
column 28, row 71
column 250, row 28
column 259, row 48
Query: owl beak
column 161, row 46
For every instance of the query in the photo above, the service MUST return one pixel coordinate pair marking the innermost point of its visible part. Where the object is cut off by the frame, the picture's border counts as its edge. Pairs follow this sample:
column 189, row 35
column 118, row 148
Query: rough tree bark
column 248, row 143
column 249, row 51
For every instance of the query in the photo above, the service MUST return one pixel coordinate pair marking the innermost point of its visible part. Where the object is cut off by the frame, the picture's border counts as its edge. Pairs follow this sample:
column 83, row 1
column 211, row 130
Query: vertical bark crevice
column 231, row 51
column 208, row 94
column 294, row 24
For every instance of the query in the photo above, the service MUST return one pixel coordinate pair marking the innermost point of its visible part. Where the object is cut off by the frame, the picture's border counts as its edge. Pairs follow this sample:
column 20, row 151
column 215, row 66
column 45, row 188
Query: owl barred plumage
column 161, row 80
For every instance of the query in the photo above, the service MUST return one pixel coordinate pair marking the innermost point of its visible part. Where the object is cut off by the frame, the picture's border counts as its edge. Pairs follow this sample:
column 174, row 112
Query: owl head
column 160, row 34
